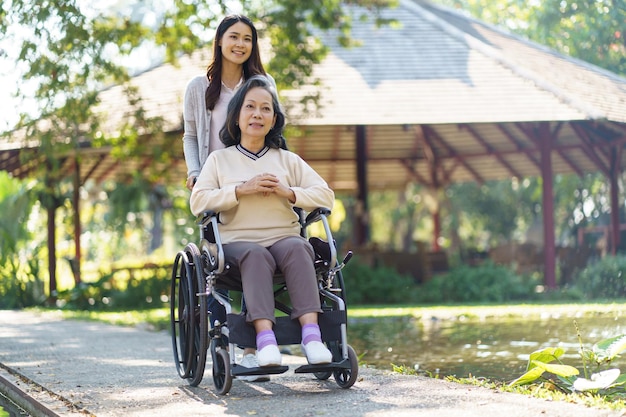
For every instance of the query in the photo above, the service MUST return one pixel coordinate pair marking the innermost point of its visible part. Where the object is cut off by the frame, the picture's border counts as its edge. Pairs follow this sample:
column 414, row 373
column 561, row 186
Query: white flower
column 598, row 381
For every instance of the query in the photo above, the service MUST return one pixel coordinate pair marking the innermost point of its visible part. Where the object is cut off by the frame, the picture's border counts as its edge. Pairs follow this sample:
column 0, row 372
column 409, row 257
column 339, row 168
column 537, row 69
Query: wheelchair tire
column 200, row 329
column 346, row 378
column 333, row 347
column 222, row 378
column 181, row 318
column 322, row 376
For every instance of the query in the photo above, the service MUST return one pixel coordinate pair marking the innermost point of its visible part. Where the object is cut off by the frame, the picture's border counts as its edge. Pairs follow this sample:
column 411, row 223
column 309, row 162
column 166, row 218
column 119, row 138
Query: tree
column 69, row 50
column 20, row 285
column 591, row 30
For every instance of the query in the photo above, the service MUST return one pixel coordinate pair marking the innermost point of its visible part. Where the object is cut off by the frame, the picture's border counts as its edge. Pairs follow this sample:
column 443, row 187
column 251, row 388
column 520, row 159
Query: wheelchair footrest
column 325, row 367
column 238, row 370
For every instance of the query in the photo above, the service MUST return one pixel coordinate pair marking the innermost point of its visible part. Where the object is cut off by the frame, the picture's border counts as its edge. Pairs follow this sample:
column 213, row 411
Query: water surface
column 494, row 348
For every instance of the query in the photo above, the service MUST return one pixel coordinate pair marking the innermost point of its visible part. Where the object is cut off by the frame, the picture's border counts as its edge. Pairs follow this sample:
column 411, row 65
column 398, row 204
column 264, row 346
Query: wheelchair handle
column 205, row 218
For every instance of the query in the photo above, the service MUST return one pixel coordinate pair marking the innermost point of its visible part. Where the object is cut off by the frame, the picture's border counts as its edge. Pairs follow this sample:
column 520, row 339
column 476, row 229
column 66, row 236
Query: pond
column 494, row 348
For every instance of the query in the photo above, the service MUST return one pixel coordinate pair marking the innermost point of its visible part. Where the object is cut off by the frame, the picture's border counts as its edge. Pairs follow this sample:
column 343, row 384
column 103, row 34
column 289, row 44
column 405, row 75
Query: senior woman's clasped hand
column 265, row 184
column 254, row 174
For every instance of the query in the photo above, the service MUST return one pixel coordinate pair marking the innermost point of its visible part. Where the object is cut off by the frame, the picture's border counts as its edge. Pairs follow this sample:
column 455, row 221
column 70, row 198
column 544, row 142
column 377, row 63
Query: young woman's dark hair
column 231, row 133
column 252, row 66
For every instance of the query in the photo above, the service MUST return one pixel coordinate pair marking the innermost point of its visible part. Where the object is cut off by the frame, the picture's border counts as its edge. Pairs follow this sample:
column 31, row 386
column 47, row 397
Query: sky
column 10, row 75
column 9, row 78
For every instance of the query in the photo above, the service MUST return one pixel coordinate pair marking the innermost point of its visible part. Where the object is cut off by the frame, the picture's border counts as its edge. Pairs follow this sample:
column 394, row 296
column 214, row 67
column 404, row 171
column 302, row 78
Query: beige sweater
column 257, row 218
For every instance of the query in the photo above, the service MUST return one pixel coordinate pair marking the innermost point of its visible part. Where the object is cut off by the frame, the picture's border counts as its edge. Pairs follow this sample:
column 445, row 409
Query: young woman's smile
column 237, row 43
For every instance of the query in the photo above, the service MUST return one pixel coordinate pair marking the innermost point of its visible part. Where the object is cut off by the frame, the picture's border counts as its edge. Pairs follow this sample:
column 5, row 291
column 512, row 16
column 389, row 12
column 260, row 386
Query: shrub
column 485, row 283
column 143, row 288
column 605, row 278
column 376, row 285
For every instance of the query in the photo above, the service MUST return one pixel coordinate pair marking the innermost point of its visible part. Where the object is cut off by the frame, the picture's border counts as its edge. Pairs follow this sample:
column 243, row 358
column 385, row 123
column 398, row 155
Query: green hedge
column 484, row 283
column 376, row 285
column 605, row 278
column 132, row 288
column 149, row 288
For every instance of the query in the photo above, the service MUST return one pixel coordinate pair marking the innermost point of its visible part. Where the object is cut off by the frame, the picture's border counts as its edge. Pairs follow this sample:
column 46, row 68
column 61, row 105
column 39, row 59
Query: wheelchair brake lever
column 343, row 263
column 347, row 258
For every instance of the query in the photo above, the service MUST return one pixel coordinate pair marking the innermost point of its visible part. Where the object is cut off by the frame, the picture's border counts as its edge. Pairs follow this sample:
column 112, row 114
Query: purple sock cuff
column 311, row 333
column 265, row 338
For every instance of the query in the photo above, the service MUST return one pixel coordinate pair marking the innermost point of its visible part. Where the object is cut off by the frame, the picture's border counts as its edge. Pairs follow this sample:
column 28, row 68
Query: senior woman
column 254, row 185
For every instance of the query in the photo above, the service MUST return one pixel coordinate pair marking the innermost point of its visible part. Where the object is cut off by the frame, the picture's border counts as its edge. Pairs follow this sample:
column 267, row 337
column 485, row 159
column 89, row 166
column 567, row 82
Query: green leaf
column 608, row 349
column 529, row 377
column 546, row 355
column 556, row 369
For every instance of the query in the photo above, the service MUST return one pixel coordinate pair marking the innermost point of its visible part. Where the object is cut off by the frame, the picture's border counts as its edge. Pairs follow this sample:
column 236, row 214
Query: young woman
column 254, row 184
column 235, row 58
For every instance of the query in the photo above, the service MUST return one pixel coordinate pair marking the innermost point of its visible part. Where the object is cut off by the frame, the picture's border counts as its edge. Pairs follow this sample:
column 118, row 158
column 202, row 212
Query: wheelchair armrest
column 322, row 213
column 316, row 215
column 209, row 233
column 205, row 218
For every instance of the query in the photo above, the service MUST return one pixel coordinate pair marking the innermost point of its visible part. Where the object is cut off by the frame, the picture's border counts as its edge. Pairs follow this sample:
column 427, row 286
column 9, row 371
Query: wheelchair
column 200, row 270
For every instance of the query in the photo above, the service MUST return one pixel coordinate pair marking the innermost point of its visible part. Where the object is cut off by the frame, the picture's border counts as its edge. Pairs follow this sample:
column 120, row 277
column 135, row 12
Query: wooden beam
column 561, row 151
column 93, row 168
column 490, row 149
column 587, row 146
column 451, row 153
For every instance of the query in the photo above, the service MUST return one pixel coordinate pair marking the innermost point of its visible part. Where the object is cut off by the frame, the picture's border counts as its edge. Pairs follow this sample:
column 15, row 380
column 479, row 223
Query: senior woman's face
column 256, row 117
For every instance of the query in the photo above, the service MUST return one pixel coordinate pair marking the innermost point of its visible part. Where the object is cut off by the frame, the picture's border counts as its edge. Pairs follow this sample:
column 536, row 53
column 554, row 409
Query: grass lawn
column 159, row 318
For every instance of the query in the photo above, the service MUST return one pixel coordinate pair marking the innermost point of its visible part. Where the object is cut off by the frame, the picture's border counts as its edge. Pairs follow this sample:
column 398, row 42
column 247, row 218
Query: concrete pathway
column 79, row 368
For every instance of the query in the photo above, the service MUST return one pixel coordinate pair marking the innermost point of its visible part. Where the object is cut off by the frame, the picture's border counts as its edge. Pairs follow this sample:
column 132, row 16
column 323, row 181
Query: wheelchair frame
column 200, row 271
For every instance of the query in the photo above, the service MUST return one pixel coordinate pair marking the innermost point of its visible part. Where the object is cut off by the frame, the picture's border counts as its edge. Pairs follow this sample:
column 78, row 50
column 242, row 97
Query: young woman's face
column 256, row 117
column 236, row 43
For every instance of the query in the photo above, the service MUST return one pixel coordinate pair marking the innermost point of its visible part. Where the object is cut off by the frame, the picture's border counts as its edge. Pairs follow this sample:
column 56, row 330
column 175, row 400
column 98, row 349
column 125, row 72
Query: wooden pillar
column 614, row 172
column 52, row 251
column 361, row 221
column 77, row 226
column 436, row 229
column 545, row 141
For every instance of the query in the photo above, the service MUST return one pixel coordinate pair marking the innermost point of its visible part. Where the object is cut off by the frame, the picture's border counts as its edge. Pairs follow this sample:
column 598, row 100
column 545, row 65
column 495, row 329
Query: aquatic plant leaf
column 598, row 381
column 528, row 378
column 545, row 355
column 556, row 369
column 608, row 349
column 589, row 355
column 621, row 380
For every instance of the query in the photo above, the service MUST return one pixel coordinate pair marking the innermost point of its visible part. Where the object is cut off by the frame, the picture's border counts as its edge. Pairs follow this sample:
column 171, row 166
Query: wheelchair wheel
column 346, row 378
column 181, row 317
column 222, row 378
column 322, row 375
column 200, row 328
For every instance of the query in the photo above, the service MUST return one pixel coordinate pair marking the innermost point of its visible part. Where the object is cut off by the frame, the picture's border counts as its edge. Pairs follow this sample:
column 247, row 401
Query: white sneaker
column 269, row 356
column 249, row 361
column 316, row 353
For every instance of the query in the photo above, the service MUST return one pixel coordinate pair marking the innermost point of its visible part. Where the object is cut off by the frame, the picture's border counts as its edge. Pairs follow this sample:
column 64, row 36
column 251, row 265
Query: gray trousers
column 293, row 256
